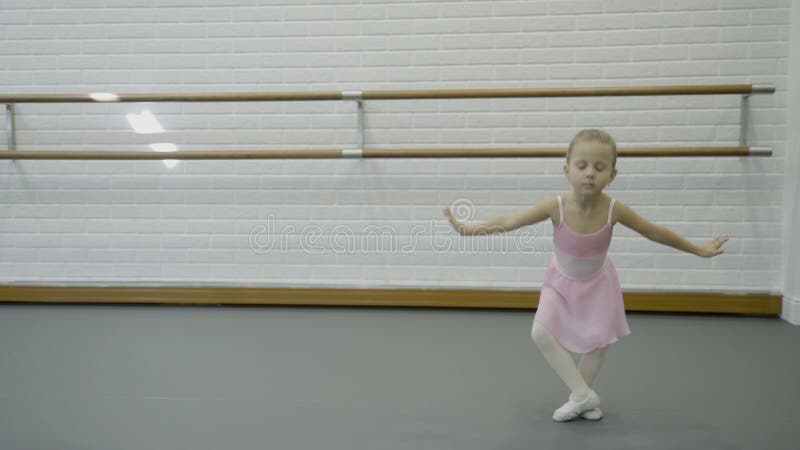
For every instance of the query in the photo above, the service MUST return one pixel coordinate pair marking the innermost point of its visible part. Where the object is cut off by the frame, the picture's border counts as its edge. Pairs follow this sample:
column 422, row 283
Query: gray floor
column 154, row 377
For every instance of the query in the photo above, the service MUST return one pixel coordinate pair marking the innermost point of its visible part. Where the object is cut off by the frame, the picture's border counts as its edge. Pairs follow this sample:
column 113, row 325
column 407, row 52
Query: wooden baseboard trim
column 747, row 304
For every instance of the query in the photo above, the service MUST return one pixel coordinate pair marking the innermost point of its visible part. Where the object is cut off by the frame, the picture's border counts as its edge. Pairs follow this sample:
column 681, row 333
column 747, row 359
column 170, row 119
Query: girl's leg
column 560, row 360
column 590, row 364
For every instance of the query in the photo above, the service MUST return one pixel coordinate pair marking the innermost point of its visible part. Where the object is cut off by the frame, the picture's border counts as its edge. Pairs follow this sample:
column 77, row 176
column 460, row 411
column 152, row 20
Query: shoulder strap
column 560, row 212
column 611, row 209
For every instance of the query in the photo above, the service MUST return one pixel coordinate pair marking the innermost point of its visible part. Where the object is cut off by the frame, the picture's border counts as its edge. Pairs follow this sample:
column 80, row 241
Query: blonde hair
column 594, row 134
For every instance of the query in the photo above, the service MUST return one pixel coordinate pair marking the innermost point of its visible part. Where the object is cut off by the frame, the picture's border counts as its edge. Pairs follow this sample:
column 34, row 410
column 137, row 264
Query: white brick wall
column 143, row 222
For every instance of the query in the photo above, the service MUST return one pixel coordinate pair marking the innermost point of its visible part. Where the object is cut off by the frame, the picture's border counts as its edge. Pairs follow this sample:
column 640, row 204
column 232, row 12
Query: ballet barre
column 744, row 90
column 381, row 153
column 724, row 89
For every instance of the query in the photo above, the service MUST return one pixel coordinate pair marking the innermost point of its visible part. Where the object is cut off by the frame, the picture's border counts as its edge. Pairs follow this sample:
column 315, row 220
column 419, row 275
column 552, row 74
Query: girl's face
column 589, row 170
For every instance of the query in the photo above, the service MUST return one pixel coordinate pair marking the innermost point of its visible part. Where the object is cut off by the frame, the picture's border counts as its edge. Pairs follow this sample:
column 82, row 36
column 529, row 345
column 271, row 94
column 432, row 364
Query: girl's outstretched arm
column 664, row 235
column 508, row 222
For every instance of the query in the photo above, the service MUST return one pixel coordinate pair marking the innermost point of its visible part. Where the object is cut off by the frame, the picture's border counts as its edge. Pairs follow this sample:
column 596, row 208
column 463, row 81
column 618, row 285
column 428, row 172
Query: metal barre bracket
column 11, row 139
column 358, row 97
column 355, row 153
column 763, row 89
column 760, row 151
column 744, row 107
column 352, row 95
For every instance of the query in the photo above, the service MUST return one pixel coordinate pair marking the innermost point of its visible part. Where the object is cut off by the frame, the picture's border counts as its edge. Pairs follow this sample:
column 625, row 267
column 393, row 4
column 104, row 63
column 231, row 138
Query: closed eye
column 599, row 168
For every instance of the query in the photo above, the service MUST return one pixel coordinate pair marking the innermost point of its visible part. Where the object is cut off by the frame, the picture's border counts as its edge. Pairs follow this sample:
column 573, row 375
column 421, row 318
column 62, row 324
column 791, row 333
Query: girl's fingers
column 718, row 244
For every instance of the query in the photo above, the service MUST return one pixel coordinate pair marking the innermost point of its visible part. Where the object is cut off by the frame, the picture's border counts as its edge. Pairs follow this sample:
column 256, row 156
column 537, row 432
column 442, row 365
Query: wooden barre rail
column 751, row 304
column 381, row 153
column 725, row 89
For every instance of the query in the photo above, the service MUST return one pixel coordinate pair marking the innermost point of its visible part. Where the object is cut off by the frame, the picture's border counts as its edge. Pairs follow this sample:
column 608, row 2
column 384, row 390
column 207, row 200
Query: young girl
column 580, row 305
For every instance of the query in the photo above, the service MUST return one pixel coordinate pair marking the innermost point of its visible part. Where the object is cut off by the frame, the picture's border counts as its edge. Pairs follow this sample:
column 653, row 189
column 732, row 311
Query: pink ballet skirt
column 580, row 302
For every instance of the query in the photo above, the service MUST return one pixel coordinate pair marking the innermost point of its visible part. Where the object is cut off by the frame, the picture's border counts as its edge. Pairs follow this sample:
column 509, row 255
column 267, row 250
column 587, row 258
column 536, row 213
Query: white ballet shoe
column 593, row 414
column 572, row 409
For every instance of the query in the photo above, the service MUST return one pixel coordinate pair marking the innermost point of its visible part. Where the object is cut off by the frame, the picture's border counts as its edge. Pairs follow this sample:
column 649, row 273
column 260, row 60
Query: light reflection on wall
column 166, row 147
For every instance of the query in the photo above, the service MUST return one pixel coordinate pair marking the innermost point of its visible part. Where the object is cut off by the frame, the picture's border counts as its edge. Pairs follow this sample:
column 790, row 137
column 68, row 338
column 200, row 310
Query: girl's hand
column 453, row 221
column 713, row 247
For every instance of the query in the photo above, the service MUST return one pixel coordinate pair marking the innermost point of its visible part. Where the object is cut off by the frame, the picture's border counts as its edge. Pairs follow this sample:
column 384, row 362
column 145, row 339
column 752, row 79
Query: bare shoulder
column 552, row 208
column 617, row 212
column 551, row 204
column 631, row 219
column 621, row 212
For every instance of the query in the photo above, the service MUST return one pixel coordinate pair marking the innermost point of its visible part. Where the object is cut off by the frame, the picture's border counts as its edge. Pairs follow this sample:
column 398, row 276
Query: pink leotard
column 581, row 298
